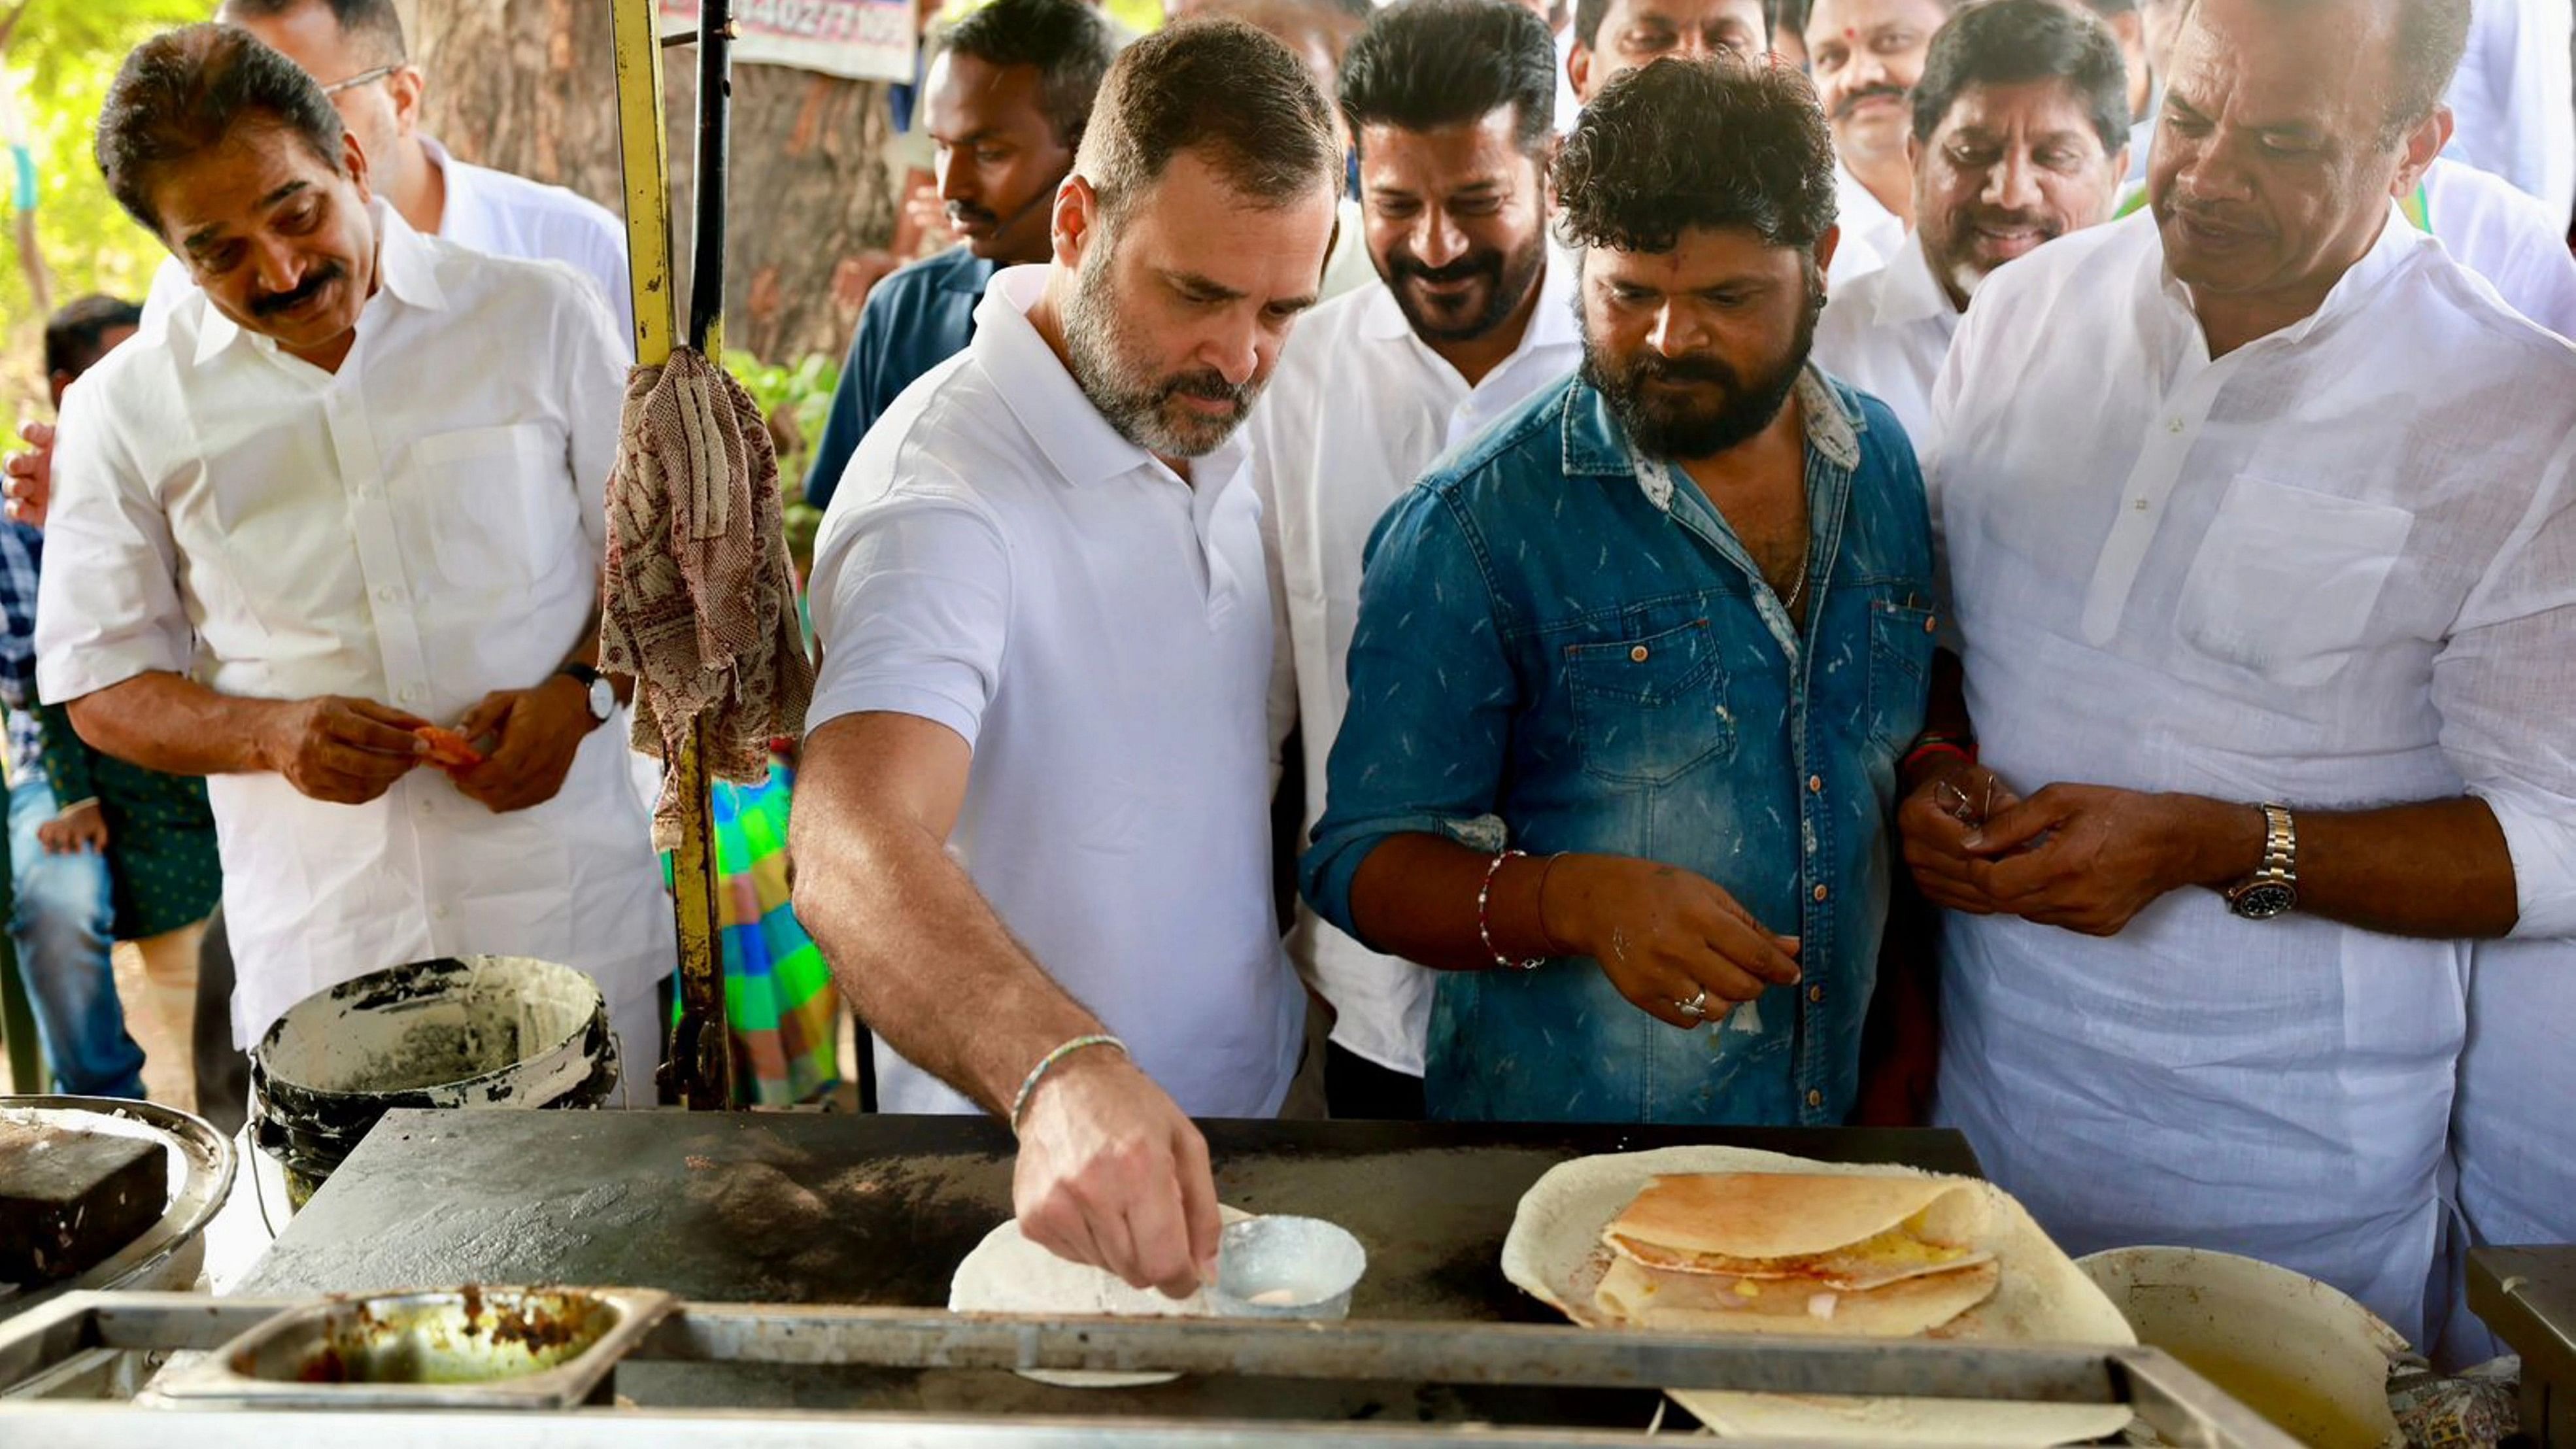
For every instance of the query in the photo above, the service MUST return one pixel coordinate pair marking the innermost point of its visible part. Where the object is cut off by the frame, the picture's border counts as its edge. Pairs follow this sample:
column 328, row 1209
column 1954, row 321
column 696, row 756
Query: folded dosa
column 1790, row 1253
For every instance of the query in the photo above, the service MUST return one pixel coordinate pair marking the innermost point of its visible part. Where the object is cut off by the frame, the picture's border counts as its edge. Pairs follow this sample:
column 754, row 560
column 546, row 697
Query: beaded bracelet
column 1484, row 917
column 1037, row 1074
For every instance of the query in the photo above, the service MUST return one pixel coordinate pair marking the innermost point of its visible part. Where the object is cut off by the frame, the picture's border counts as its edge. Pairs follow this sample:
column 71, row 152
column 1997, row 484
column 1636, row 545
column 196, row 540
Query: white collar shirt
column 2330, row 568
column 1000, row 561
column 420, row 528
column 506, row 216
column 1871, row 234
column 1357, row 410
column 1886, row 334
column 2513, row 99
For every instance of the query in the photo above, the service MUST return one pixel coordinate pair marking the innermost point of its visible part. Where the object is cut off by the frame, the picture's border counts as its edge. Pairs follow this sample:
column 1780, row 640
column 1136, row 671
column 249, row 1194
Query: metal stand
column 700, row 1059
column 2182, row 1407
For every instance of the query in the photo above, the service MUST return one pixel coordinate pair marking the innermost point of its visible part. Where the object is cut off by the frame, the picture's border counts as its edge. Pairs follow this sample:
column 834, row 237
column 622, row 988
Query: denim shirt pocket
column 1900, row 670
column 1649, row 709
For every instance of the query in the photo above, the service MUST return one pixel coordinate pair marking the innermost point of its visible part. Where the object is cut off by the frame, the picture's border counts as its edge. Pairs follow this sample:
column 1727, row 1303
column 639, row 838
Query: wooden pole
column 701, row 1055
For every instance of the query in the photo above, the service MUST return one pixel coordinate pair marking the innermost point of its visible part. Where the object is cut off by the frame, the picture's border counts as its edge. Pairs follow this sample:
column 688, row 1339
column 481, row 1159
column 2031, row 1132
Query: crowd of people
column 2017, row 573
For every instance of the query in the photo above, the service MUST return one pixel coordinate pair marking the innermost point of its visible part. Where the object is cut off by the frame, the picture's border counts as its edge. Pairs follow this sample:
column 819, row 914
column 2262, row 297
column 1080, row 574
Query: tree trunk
column 530, row 86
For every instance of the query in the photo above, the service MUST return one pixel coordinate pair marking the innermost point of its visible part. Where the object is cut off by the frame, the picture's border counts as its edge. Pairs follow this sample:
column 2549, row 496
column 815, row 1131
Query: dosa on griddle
column 1791, row 1253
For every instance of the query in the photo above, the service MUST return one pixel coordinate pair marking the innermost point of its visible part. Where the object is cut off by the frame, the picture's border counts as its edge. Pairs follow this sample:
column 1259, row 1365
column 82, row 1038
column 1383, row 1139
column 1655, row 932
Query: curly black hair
column 1684, row 144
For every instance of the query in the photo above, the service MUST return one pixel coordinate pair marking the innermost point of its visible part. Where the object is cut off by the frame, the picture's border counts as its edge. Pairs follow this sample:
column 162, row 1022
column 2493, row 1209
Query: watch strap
column 581, row 672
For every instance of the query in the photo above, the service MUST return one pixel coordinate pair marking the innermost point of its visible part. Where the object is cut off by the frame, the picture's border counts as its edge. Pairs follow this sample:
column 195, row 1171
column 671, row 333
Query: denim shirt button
column 1815, row 993
column 1821, row 892
column 1815, row 784
column 1638, row 654
column 1815, row 1098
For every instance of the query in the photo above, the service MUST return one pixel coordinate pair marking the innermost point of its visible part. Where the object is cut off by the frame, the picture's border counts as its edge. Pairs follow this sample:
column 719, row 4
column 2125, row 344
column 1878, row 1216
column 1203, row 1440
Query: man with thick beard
column 1633, row 670
column 1451, row 102
column 1040, row 735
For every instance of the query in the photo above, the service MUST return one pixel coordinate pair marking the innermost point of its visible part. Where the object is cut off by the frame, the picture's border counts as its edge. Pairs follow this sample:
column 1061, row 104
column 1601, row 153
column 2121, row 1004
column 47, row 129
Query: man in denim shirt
column 1667, row 629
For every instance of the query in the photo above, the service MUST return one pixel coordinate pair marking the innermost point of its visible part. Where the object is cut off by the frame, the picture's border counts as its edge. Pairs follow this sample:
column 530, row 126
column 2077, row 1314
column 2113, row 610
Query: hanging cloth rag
column 699, row 599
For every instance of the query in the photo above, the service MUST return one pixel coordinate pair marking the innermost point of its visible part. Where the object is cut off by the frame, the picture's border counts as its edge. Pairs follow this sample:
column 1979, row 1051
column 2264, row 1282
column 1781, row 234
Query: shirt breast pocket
column 1650, row 709
column 2287, row 579
column 493, row 502
column 1900, row 671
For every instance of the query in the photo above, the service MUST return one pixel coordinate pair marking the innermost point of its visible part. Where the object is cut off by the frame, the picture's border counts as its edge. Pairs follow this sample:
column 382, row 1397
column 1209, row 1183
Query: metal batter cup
column 1286, row 1267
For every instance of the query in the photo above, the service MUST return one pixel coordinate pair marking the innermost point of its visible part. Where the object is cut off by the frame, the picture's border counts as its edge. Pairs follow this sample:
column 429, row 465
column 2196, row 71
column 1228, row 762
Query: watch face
column 2264, row 900
column 603, row 700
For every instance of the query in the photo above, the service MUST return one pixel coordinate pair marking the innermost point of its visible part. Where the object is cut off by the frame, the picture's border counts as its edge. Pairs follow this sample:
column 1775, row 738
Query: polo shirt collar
column 1078, row 442
column 405, row 268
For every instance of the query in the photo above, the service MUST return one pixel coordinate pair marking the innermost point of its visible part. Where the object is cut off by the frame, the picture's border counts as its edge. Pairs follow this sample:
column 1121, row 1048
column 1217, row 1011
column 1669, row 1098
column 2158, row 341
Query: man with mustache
column 2258, row 516
column 2020, row 136
column 1866, row 56
column 1634, row 668
column 1004, row 102
column 1035, row 810
column 350, row 486
column 1451, row 104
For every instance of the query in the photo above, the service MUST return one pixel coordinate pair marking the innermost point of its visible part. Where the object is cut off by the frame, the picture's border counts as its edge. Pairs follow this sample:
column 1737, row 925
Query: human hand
column 31, row 475
column 535, row 733
column 1947, row 800
column 2090, row 857
column 1111, row 1173
column 1664, row 935
column 340, row 750
column 80, row 828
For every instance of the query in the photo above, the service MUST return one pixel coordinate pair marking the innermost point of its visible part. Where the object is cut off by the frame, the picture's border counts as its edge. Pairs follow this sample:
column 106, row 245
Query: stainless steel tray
column 2183, row 1408
column 470, row 1348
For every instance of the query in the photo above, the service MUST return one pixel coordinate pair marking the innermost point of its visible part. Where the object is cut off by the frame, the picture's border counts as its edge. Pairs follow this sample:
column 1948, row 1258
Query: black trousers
column 1357, row 1089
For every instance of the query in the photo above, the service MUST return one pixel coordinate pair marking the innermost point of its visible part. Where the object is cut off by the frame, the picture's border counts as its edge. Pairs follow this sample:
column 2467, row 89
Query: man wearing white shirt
column 355, row 49
column 2513, row 96
column 2258, row 516
column 1035, row 808
column 2020, row 136
column 1866, row 56
column 349, row 487
column 1448, row 101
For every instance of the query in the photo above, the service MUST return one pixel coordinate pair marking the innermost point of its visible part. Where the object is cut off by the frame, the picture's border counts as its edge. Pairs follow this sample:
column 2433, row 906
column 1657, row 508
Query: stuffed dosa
column 1756, row 1252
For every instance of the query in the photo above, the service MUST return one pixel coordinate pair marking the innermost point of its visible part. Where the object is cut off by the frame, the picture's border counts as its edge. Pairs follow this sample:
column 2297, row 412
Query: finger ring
column 1696, row 1008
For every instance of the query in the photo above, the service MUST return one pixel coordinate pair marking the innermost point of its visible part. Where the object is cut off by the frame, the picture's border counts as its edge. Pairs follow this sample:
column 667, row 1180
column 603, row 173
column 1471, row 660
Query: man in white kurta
column 418, row 528
column 1453, row 197
column 2316, row 561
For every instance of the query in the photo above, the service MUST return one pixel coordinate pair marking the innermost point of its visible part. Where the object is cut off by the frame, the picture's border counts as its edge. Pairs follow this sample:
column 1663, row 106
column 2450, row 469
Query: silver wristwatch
column 2273, row 889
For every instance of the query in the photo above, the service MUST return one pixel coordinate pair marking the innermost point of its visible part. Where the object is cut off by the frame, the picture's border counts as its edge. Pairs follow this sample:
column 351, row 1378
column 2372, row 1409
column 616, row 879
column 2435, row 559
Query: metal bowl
column 534, row 1348
column 1286, row 1267
column 172, row 1251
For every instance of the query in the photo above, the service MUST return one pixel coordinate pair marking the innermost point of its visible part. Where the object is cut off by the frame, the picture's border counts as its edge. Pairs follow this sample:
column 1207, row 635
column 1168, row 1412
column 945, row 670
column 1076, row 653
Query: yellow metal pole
column 701, row 1052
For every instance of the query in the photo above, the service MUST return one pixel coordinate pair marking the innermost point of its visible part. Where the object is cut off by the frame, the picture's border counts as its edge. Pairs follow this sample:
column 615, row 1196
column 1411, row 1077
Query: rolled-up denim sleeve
column 1423, row 744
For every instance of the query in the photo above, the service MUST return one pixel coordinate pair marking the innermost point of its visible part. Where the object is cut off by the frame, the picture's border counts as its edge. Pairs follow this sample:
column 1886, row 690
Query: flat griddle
column 878, row 1210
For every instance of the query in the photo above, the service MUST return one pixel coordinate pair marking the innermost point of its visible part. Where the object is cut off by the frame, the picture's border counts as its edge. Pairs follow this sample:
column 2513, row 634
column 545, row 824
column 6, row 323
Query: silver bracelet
column 1484, row 917
column 1046, row 1064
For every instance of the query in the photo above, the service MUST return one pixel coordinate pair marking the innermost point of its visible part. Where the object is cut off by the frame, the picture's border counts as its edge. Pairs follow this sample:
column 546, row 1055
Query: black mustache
column 1852, row 101
column 959, row 214
column 1466, row 268
column 2032, row 219
column 296, row 296
column 1682, row 369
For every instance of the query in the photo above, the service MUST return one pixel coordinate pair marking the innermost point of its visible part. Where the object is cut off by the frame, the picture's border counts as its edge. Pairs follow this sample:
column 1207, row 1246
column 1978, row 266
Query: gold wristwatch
column 2273, row 889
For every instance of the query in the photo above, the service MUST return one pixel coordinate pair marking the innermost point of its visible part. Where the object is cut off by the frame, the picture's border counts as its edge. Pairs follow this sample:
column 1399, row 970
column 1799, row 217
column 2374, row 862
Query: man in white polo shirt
column 1450, row 103
column 1035, row 805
